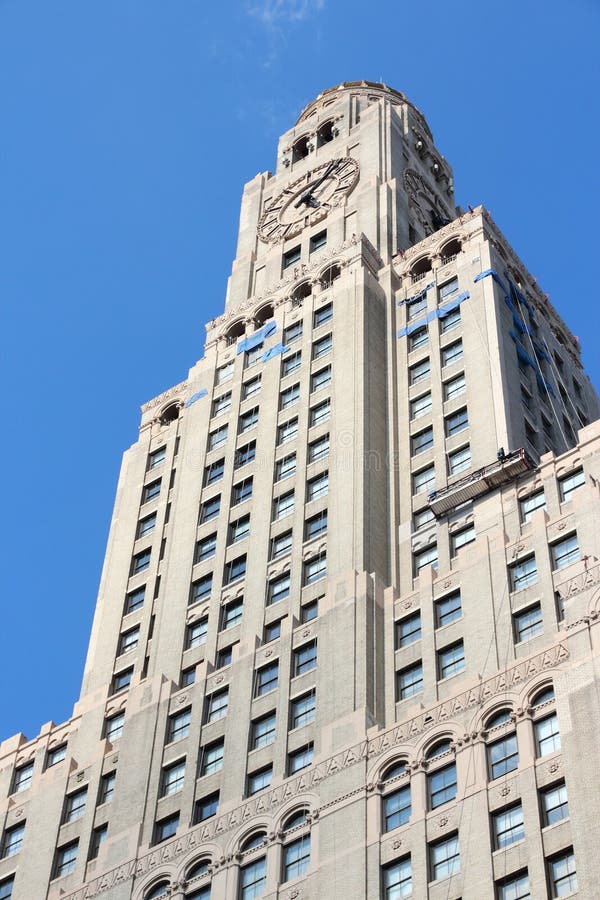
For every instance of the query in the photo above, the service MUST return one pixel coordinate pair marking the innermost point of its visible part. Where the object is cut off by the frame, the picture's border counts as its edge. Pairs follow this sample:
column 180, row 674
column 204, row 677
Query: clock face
column 308, row 199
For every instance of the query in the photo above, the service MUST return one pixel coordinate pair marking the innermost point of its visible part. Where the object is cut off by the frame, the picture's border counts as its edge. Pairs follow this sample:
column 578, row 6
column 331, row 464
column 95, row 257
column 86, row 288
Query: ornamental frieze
column 166, row 395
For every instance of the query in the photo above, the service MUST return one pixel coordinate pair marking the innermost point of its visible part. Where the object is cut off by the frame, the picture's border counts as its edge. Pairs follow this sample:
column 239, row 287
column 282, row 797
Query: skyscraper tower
column 344, row 640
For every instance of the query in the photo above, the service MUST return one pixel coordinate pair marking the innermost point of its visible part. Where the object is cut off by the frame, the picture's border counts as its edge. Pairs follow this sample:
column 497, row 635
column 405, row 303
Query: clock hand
column 325, row 175
column 307, row 197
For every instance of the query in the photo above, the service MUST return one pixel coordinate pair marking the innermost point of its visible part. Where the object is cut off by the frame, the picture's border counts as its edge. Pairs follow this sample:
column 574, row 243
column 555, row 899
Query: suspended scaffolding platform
column 505, row 468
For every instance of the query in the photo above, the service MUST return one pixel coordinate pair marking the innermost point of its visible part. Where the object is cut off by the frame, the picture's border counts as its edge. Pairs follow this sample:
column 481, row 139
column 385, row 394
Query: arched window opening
column 300, row 149
column 258, row 839
column 296, row 819
column 325, row 134
column 263, row 315
column 301, row 292
column 420, row 269
column 198, row 869
column 397, row 768
column 498, row 718
column 439, row 748
column 159, row 890
column 330, row 275
column 450, row 251
column 235, row 331
column 543, row 696
column 169, row 414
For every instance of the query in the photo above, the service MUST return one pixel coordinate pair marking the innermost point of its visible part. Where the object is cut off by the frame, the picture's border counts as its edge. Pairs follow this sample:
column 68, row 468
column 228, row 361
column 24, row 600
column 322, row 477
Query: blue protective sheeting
column 197, row 396
column 418, row 296
column 439, row 313
column 277, row 350
column 256, row 339
column 496, row 278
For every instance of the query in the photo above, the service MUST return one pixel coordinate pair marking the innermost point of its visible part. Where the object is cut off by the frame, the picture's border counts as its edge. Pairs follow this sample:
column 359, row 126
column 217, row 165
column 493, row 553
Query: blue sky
column 128, row 128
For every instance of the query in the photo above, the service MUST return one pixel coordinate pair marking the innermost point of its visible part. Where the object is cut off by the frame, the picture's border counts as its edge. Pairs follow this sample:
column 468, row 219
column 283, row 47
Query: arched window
column 170, row 414
column 301, row 292
column 159, row 890
column 331, row 274
column 438, row 748
column 235, row 331
column 396, row 799
column 450, row 250
column 253, row 841
column 420, row 269
column 500, row 717
column 296, row 819
column 300, row 149
column 543, row 696
column 263, row 315
column 502, row 752
column 325, row 134
column 442, row 782
column 198, row 869
column 396, row 769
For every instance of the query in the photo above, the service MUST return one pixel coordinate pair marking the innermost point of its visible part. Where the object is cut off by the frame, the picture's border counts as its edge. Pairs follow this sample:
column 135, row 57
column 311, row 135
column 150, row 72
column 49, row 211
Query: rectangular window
column 456, row 422
column 565, row 552
column 460, row 538
column 320, row 413
column 322, row 346
column 22, row 779
column 292, row 362
column 451, row 660
column 121, row 680
column 420, row 406
column 450, row 320
column 286, row 467
column 292, row 333
column 508, row 827
column 212, row 757
column 178, row 726
column 210, row 509
column 516, row 887
column 252, row 357
column 166, row 828
column 503, row 756
column 444, row 857
column 569, row 484
column 289, row 396
column 267, row 679
column 309, row 611
column 135, row 600
column 263, row 731
column 408, row 630
column 151, row 491
column 441, row 786
column 459, row 460
column 318, row 241
column 241, row 491
column 304, row 659
column 315, row 525
column 452, row 353
column 296, row 858
column 235, row 569
column 146, row 526
column 421, row 441
column 216, row 705
column 221, row 404
column 156, row 458
column 301, row 759
column 419, row 372
column 201, row 589
column 523, row 573
column 422, row 517
column 281, row 545
column 303, row 710
column 248, row 420
column 396, row 808
column 547, row 735
column 141, row 561
column 409, row 681
column 320, row 379
column 205, row 548
column 283, row 505
column 224, row 657
column 418, row 338
column 232, row 614
column 555, row 804
column 416, row 308
column 253, row 878
column 172, row 779
column 258, row 781
column 423, row 480
column 217, row 438
column 206, row 808
column 528, row 623
column 318, row 449
column 426, row 557
column 291, row 257
column 287, row 431
column 225, row 373
column 272, row 631
column 278, row 589
column 196, row 633
column 128, row 641
column 239, row 529
column 317, row 486
column 447, row 609
column 244, row 455
column 251, row 387
column 188, row 676
column 562, row 873
column 448, row 290
column 454, row 387
column 214, row 472
column 114, row 727
column 56, row 755
column 397, row 880
column 13, row 840
column 528, row 505
column 107, row 788
column 65, row 860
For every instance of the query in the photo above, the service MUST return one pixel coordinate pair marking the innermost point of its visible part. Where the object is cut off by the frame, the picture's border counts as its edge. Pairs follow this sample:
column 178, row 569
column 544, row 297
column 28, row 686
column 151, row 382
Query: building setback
column 345, row 643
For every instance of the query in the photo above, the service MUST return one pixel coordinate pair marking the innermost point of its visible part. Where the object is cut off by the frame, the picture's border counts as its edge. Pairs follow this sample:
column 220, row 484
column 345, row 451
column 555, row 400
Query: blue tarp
column 439, row 313
column 418, row 296
column 196, row 396
column 277, row 350
column 256, row 339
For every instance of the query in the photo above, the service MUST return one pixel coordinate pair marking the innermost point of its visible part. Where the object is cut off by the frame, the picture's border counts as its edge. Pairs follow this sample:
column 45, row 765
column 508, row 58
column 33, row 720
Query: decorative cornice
column 367, row 749
column 172, row 392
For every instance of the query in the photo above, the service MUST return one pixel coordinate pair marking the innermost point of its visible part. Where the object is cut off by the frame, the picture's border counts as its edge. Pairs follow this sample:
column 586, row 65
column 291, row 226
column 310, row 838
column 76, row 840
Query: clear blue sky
column 128, row 128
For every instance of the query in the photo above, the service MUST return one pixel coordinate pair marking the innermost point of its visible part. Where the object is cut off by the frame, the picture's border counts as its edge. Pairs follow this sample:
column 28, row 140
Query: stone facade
column 345, row 639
